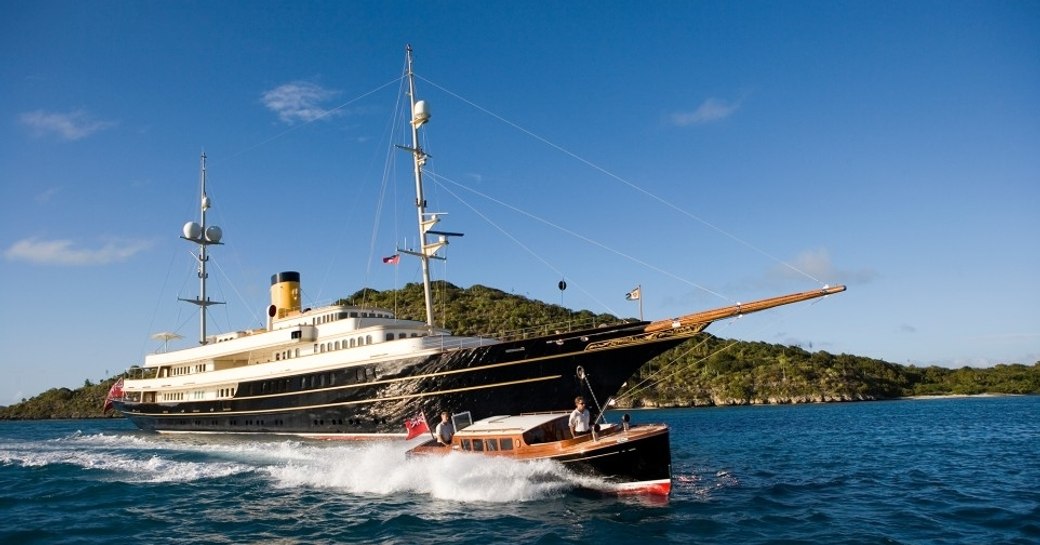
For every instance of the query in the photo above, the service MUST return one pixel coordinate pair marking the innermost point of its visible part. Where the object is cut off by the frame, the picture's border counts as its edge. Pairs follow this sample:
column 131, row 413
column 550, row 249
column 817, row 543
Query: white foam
column 358, row 468
column 383, row 469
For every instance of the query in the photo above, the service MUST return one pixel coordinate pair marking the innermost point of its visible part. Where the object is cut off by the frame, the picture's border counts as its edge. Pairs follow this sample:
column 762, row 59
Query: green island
column 704, row 371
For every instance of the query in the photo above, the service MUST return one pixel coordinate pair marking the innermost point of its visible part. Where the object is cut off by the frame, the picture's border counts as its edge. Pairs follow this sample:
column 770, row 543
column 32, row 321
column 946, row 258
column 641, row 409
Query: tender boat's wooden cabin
column 637, row 459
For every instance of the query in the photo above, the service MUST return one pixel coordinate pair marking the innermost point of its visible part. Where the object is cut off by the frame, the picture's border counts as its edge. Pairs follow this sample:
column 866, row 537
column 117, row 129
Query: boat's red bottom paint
column 648, row 488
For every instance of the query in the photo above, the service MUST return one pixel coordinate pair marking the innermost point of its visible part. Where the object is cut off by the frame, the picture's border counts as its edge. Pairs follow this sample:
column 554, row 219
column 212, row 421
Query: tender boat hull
column 636, row 460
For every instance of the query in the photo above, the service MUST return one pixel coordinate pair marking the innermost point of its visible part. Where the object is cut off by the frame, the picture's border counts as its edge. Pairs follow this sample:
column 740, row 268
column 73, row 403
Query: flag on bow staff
column 416, row 426
column 392, row 260
column 636, row 295
column 114, row 393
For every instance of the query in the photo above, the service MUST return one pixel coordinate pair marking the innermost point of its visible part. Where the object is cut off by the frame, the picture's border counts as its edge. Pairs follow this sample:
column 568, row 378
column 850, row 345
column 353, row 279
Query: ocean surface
column 950, row 470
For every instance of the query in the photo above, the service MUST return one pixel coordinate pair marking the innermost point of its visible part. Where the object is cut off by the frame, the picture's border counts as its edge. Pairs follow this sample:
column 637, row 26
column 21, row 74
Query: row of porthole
column 354, row 341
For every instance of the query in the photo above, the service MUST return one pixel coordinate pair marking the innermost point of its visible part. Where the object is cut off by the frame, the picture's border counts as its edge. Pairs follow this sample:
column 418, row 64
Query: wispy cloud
column 66, row 253
column 47, row 195
column 299, row 101
column 67, row 126
column 711, row 110
column 906, row 328
column 817, row 263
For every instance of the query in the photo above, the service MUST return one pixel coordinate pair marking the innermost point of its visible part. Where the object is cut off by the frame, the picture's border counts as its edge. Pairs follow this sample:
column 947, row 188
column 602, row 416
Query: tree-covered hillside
column 705, row 370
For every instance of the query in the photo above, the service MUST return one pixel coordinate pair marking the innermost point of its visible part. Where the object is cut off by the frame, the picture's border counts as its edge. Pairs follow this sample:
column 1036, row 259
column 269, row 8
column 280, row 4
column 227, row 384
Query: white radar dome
column 421, row 114
column 192, row 230
column 213, row 233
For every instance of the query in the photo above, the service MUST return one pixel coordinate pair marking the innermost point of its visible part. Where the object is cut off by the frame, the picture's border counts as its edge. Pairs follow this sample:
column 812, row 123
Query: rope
column 640, row 387
column 580, row 237
column 631, row 185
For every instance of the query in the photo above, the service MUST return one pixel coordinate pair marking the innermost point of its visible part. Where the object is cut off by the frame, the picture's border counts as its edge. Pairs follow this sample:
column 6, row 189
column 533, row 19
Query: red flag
column 115, row 392
column 416, row 426
column 392, row 260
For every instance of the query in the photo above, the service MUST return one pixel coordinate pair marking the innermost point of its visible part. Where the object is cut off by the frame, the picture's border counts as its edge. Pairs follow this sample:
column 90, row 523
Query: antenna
column 203, row 236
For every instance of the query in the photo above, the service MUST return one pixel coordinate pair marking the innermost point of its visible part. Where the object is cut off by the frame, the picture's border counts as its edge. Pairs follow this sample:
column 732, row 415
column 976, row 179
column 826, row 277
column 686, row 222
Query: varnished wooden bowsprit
column 708, row 316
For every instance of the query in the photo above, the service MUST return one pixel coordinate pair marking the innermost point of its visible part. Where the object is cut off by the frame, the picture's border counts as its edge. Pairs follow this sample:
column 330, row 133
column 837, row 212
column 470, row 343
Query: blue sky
column 710, row 152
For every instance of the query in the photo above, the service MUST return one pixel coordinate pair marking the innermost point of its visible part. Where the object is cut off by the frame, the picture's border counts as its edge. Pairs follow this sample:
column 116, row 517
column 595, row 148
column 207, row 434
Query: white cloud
column 817, row 264
column 68, row 126
column 64, row 252
column 299, row 101
column 47, row 195
column 710, row 110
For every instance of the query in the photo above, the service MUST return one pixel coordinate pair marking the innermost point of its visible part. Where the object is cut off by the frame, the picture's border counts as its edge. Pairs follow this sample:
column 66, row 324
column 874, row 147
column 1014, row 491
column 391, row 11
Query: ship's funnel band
column 285, row 293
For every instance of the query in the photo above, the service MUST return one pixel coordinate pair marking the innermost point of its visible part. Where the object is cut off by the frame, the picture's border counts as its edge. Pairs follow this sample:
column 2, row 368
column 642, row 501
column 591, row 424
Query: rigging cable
column 573, row 234
column 643, row 385
column 610, row 174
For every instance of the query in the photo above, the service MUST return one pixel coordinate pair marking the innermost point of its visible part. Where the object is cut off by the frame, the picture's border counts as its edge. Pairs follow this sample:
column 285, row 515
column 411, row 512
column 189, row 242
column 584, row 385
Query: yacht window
column 352, row 343
column 466, row 445
column 389, row 336
column 368, row 339
column 478, row 445
column 337, row 345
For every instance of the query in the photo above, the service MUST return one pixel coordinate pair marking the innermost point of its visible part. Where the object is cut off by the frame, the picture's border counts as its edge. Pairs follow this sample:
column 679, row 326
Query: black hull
column 645, row 460
column 531, row 375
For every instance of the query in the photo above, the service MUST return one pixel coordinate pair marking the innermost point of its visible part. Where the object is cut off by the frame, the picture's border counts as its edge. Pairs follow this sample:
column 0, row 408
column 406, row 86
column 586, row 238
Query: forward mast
column 427, row 250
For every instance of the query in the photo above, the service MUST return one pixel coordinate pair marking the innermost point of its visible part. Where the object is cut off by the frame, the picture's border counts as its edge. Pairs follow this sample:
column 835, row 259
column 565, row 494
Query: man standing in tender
column 445, row 431
column 579, row 420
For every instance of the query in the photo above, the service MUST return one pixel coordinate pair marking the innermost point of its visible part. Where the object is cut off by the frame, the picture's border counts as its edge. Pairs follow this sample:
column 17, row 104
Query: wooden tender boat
column 633, row 459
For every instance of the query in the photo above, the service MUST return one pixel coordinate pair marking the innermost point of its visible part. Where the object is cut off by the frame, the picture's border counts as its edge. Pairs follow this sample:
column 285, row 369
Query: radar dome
column 213, row 233
column 192, row 230
column 421, row 114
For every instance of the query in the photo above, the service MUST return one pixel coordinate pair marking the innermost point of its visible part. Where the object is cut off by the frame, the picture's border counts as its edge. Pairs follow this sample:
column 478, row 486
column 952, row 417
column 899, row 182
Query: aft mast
column 203, row 236
column 428, row 250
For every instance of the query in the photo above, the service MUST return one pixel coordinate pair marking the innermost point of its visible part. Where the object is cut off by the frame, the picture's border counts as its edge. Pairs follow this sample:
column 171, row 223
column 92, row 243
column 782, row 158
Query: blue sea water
column 951, row 470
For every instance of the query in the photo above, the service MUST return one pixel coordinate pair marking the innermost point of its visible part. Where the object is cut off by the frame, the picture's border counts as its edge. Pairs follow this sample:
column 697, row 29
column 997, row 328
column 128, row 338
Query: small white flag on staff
column 636, row 295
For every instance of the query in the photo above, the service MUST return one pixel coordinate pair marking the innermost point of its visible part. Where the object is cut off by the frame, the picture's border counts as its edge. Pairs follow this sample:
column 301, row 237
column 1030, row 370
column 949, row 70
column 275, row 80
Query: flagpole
column 639, row 289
